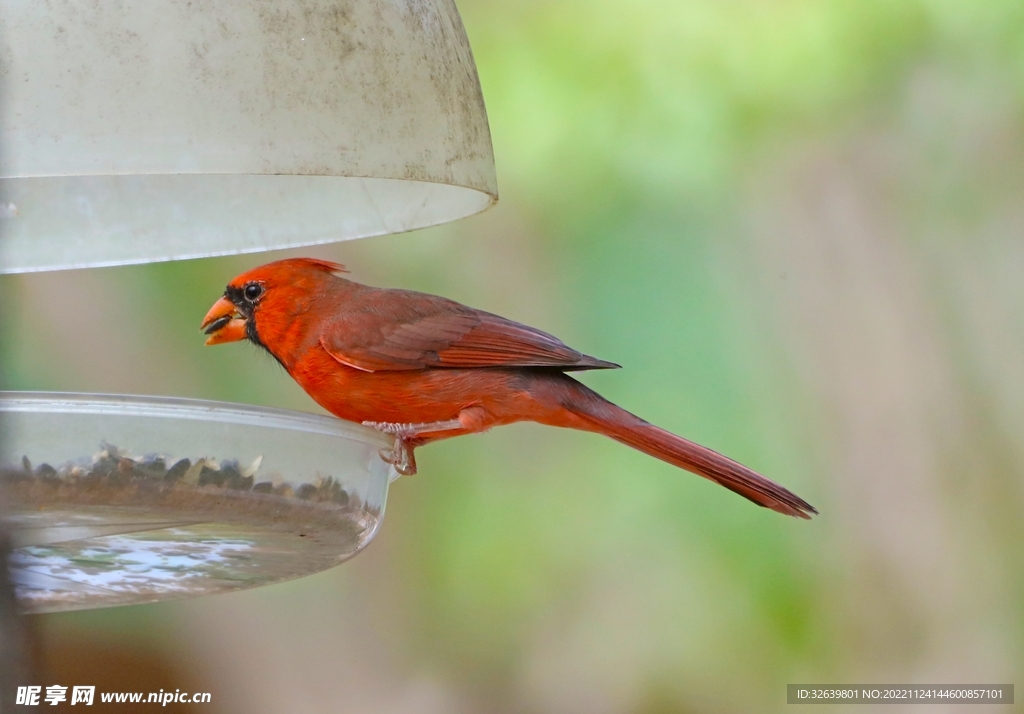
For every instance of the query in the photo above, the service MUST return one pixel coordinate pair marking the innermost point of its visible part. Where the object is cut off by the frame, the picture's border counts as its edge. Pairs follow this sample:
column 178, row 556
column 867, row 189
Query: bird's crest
column 325, row 265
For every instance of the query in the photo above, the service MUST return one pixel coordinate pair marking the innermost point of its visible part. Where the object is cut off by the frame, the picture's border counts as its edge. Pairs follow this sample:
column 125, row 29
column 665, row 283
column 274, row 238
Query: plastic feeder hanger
column 154, row 130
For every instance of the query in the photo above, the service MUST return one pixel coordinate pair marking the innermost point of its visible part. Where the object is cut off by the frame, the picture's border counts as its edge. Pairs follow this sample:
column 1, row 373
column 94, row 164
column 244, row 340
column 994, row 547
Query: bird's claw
column 400, row 457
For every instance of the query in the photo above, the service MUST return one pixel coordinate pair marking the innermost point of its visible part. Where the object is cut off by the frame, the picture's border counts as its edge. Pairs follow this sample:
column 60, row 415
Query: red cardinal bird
column 425, row 368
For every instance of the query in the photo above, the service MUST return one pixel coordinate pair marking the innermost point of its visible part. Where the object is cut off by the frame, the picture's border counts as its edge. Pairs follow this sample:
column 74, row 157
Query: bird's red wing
column 423, row 331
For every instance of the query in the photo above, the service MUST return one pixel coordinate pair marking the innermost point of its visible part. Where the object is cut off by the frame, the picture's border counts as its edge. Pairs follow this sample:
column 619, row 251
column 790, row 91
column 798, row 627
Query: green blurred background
column 799, row 225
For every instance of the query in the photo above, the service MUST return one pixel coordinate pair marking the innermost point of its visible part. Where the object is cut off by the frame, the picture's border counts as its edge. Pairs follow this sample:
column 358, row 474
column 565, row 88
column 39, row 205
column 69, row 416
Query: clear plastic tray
column 114, row 500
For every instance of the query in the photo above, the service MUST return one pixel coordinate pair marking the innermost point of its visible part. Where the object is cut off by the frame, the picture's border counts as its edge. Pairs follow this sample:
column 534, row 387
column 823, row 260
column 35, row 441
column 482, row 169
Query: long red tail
column 600, row 415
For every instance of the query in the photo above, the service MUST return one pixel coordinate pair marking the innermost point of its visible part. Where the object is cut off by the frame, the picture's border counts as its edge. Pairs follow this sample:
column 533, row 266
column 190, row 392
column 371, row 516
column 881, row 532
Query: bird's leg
column 408, row 436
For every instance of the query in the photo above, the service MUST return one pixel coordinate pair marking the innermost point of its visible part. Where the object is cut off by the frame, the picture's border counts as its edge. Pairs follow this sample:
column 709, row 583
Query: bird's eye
column 252, row 292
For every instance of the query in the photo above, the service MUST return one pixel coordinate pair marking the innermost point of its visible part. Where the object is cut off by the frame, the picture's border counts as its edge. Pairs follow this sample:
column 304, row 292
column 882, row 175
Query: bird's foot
column 401, row 456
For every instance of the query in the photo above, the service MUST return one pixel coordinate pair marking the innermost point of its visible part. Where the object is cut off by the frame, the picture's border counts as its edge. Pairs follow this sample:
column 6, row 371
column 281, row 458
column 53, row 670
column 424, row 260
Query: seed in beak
column 217, row 324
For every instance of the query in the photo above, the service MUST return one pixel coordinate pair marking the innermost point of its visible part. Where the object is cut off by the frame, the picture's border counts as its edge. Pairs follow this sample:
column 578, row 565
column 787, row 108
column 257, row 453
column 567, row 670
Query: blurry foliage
column 798, row 226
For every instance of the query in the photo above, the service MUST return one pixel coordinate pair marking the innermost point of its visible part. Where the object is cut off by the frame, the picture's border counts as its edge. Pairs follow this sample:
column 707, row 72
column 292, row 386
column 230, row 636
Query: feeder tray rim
column 102, row 404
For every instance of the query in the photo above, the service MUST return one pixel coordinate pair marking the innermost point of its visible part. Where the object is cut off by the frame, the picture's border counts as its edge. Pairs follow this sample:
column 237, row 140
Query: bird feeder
column 148, row 131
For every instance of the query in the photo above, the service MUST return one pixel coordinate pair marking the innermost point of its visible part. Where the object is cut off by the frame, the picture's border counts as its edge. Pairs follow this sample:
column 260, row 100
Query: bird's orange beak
column 223, row 323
